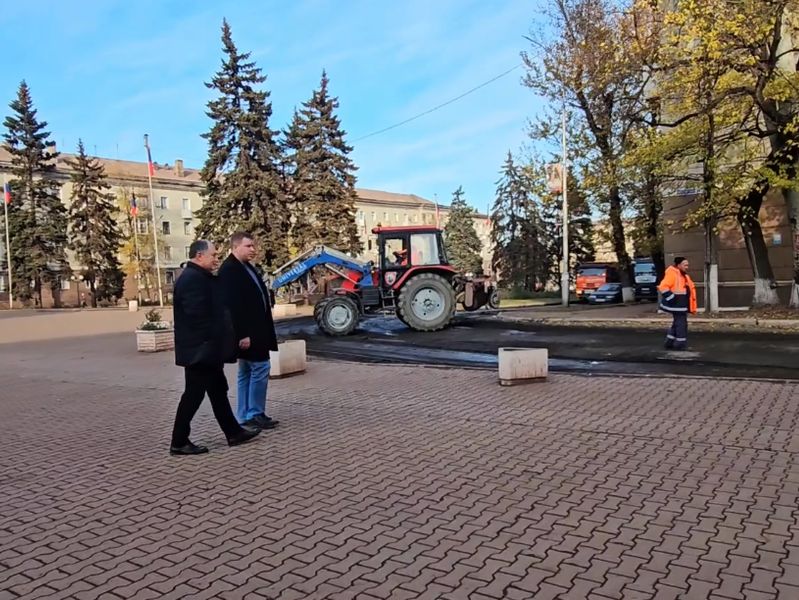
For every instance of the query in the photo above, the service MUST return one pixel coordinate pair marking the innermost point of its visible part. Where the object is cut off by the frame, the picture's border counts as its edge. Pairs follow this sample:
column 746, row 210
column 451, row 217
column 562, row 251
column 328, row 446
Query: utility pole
column 564, row 272
column 155, row 222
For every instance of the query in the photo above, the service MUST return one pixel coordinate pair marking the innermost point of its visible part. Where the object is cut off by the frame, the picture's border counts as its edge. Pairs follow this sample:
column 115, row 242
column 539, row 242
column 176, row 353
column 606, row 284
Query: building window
column 369, row 244
column 162, row 203
column 141, row 226
column 374, row 216
column 166, row 227
column 2, row 283
column 186, row 249
column 186, row 228
column 170, row 277
column 186, row 204
column 64, row 285
column 385, row 217
column 167, row 253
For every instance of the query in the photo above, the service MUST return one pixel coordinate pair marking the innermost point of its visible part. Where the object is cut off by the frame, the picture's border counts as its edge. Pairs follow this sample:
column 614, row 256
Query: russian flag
column 150, row 162
column 134, row 208
column 7, row 192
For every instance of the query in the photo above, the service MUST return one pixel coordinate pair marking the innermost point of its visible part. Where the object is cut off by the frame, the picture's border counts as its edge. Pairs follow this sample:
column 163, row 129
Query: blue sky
column 111, row 71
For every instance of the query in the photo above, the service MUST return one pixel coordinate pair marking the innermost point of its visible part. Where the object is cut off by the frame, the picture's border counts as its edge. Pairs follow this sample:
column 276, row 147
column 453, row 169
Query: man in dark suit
column 204, row 341
column 250, row 305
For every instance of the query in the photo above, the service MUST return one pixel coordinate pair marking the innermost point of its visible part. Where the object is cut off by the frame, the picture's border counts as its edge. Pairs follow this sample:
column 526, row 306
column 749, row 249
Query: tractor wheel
column 426, row 302
column 493, row 299
column 319, row 307
column 339, row 316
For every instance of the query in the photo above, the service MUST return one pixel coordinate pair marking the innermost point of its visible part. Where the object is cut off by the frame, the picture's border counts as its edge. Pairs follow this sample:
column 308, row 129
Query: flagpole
column 155, row 223
column 136, row 249
column 8, row 250
column 564, row 275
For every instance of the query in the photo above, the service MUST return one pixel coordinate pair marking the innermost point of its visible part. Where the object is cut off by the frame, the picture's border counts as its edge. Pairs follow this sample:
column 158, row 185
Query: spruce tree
column 242, row 175
column 507, row 224
column 37, row 217
column 461, row 241
column 93, row 232
column 322, row 176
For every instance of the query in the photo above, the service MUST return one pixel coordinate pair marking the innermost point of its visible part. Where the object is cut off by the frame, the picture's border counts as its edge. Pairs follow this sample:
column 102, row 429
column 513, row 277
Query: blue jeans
column 253, row 381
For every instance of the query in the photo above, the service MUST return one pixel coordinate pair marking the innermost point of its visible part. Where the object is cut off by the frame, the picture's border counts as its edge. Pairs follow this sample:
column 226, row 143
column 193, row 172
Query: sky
column 109, row 72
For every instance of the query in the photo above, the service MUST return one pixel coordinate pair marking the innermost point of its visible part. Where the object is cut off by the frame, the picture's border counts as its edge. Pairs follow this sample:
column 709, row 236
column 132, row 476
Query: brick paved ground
column 393, row 482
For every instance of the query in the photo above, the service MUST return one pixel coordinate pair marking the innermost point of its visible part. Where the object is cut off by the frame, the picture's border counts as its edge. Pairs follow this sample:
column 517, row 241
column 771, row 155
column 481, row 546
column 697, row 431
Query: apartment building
column 177, row 197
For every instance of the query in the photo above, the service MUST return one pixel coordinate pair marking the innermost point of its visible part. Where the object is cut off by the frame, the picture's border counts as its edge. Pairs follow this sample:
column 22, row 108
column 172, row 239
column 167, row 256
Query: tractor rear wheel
column 493, row 299
column 338, row 315
column 426, row 302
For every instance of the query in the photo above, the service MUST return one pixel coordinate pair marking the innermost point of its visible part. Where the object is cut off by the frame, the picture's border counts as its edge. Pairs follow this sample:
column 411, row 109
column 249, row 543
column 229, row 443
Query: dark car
column 609, row 293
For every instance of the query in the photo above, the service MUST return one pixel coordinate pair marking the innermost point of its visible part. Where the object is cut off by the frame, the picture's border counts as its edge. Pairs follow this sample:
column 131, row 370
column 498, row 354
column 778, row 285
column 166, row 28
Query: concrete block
column 133, row 306
column 522, row 365
column 284, row 310
column 289, row 359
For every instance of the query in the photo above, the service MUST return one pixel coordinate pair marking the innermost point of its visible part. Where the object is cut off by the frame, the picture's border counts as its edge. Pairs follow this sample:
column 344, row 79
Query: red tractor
column 413, row 280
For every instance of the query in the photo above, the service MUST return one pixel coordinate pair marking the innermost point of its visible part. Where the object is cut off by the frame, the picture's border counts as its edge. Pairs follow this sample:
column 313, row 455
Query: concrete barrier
column 284, row 310
column 523, row 365
column 289, row 359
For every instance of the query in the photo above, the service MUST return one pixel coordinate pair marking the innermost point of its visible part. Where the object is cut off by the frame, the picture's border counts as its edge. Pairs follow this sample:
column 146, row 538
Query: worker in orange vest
column 678, row 297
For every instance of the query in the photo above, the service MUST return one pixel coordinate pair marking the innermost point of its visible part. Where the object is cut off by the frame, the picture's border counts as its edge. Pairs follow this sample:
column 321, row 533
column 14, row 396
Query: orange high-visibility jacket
column 678, row 292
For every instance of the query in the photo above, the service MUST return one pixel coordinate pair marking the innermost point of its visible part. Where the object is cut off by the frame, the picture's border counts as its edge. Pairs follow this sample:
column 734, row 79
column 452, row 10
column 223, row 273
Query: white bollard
column 133, row 306
column 522, row 365
column 288, row 360
column 284, row 310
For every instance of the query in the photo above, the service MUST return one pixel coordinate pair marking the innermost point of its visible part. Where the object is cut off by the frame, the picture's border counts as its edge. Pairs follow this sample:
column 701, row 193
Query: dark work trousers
column 201, row 381
column 677, row 337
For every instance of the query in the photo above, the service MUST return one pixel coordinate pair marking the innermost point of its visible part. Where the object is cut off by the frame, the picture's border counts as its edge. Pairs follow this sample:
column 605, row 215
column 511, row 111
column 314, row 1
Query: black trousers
column 677, row 337
column 199, row 382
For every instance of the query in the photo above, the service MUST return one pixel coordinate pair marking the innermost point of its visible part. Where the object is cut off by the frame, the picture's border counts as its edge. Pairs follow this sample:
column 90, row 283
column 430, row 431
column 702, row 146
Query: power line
column 442, row 105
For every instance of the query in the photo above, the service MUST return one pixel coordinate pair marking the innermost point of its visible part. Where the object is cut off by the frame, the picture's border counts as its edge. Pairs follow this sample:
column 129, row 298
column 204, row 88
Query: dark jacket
column 204, row 335
column 251, row 308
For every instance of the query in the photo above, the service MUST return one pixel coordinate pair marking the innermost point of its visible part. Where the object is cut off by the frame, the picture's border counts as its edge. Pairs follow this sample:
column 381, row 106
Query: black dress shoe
column 265, row 422
column 187, row 449
column 251, row 424
column 242, row 438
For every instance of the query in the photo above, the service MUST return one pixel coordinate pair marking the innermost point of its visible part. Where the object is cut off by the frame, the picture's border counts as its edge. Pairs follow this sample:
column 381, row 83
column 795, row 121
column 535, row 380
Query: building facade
column 177, row 197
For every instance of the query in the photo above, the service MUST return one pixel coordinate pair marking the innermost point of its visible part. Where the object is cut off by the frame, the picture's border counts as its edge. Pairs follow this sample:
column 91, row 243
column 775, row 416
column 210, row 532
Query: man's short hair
column 198, row 247
column 678, row 260
column 238, row 237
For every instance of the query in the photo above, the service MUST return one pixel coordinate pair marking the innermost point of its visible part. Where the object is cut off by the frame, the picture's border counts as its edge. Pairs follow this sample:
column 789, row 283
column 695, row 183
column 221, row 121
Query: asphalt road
column 473, row 341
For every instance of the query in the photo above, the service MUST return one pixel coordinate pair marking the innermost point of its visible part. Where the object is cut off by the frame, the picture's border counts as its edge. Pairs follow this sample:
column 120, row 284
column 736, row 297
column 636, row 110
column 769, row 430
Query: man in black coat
column 250, row 305
column 204, row 341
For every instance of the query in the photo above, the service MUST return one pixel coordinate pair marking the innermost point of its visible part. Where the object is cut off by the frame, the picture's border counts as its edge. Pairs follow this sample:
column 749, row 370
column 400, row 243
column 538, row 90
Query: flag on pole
column 134, row 208
column 555, row 178
column 7, row 192
column 150, row 167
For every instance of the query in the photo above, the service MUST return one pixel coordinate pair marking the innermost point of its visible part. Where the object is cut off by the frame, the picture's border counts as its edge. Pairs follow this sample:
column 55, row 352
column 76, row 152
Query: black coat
column 204, row 335
column 252, row 317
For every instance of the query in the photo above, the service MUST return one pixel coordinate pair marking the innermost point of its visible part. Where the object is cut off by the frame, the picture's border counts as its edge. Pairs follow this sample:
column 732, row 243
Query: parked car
column 591, row 276
column 609, row 293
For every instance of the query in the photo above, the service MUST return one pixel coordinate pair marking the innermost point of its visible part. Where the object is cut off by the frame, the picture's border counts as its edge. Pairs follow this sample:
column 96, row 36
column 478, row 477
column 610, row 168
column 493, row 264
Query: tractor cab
column 405, row 249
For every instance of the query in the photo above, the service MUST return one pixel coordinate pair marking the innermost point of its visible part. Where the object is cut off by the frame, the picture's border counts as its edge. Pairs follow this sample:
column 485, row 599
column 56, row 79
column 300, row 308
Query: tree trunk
column 711, row 267
column 792, row 199
column 620, row 243
column 762, row 273
column 93, row 292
